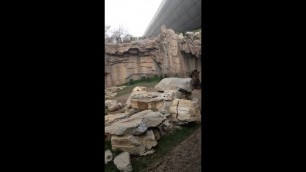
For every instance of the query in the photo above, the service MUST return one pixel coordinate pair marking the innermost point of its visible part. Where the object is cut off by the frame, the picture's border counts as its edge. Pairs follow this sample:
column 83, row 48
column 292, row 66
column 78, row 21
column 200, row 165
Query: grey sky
column 133, row 15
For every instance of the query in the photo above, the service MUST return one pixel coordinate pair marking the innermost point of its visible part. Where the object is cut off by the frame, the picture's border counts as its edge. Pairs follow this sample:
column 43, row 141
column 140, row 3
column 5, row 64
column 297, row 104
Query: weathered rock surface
column 143, row 100
column 129, row 125
column 153, row 119
column 135, row 145
column 131, row 48
column 167, row 126
column 110, row 95
column 174, row 84
column 140, row 129
column 113, row 105
column 123, row 162
column 184, row 110
column 136, row 89
column 108, row 156
column 155, row 101
column 131, row 111
column 111, row 92
column 126, row 126
column 169, row 95
column 168, row 53
column 111, row 118
column 191, row 43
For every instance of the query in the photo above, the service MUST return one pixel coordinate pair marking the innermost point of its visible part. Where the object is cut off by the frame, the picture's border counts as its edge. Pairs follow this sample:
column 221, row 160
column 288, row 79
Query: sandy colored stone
column 135, row 145
column 110, row 95
column 167, row 53
column 108, row 156
column 113, row 105
column 123, row 127
column 184, row 110
column 108, row 119
column 123, row 162
column 140, row 129
column 174, row 84
column 126, row 125
column 153, row 119
column 143, row 100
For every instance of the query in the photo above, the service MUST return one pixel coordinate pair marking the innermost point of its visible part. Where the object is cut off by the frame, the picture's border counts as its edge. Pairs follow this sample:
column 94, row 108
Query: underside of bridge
column 179, row 15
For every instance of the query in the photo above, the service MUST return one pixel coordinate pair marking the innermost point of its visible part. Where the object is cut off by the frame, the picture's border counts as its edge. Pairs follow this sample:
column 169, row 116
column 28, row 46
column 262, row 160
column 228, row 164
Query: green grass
column 165, row 145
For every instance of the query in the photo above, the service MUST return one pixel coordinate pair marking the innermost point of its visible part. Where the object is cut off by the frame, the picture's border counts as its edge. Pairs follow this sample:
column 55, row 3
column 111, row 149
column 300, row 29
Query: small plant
column 155, row 77
column 161, row 77
column 149, row 79
column 131, row 81
column 143, row 78
column 106, row 110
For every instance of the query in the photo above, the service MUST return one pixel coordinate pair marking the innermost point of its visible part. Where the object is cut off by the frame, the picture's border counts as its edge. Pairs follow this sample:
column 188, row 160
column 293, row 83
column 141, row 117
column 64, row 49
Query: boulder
column 169, row 95
column 153, row 119
column 126, row 125
column 143, row 100
column 108, row 156
column 183, row 111
column 154, row 101
column 166, row 125
column 131, row 111
column 123, row 162
column 174, row 84
column 111, row 118
column 137, row 123
column 140, row 95
column 113, row 105
column 135, row 145
column 140, row 129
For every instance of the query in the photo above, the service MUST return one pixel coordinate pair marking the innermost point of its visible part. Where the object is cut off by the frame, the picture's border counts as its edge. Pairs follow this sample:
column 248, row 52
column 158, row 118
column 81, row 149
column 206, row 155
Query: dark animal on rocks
column 186, row 93
column 195, row 81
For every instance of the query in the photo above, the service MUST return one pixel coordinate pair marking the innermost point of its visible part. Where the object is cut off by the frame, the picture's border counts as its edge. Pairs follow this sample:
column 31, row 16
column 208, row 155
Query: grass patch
column 165, row 145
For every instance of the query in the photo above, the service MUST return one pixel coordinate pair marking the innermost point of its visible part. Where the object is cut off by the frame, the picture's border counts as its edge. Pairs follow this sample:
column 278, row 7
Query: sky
column 133, row 15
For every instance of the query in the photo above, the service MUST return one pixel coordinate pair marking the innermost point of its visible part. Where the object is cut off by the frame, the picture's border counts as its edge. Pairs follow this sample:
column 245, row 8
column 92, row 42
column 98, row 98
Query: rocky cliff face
column 168, row 53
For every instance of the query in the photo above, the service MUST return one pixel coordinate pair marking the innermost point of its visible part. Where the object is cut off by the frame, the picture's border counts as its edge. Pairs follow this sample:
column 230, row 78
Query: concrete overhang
column 179, row 15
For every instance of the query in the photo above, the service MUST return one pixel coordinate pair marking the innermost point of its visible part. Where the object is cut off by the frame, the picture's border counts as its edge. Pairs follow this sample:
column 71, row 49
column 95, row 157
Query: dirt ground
column 186, row 156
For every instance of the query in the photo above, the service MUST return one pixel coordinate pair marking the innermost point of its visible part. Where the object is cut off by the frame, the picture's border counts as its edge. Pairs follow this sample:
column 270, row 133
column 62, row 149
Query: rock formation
column 149, row 115
column 108, row 156
column 123, row 162
column 167, row 54
column 113, row 105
